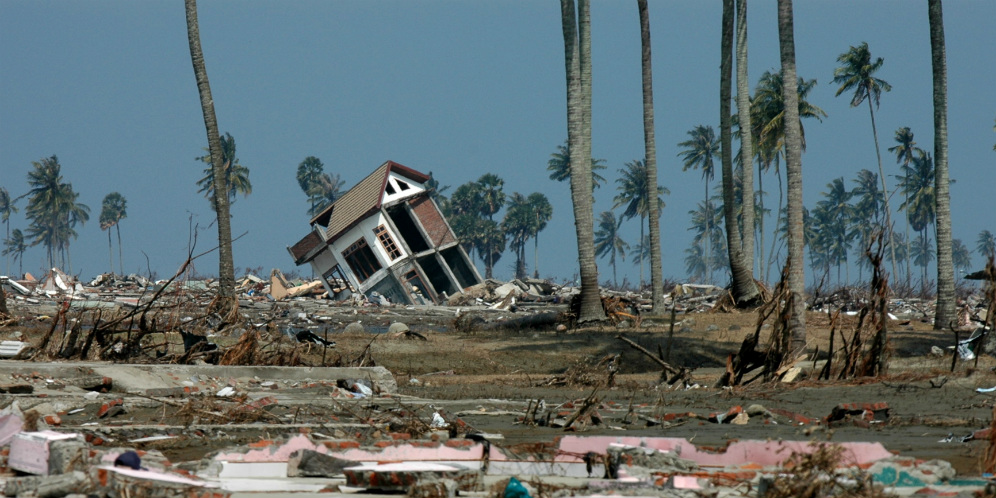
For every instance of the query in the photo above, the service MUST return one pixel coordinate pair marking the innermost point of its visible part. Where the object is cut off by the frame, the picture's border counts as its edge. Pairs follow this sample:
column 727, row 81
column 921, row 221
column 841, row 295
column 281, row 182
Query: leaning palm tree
column 650, row 153
column 6, row 209
column 113, row 210
column 793, row 173
column 15, row 247
column 905, row 152
column 946, row 312
column 236, row 175
column 857, row 73
column 634, row 194
column 700, row 151
column 559, row 167
column 577, row 61
column 608, row 242
column 226, row 301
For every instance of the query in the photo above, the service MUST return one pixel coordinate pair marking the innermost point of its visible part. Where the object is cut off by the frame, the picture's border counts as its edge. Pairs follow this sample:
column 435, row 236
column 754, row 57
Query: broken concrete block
column 33, row 452
column 401, row 476
column 907, row 471
column 860, row 412
column 19, row 388
column 120, row 481
column 648, row 458
column 308, row 463
column 433, row 488
column 10, row 349
column 48, row 486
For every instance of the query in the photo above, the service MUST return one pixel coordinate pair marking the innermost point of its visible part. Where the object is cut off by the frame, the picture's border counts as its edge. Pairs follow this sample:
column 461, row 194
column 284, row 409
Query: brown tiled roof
column 363, row 199
column 300, row 250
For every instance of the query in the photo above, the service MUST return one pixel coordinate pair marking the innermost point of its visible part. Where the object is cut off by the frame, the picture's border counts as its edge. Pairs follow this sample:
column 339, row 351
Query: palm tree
column 542, row 212
column 837, row 225
column 744, row 290
column 695, row 262
column 920, row 189
column 113, row 210
column 490, row 244
column 559, row 167
column 634, row 194
column 608, row 242
column 960, row 256
column 746, row 139
column 793, row 173
column 768, row 121
column 868, row 209
column 15, row 245
column 650, row 155
column 325, row 189
column 517, row 226
column 857, row 72
column 577, row 61
column 226, row 266
column 489, row 187
column 985, row 245
column 236, row 175
column 923, row 253
column 308, row 172
column 708, row 231
column 700, row 150
column 905, row 152
column 53, row 210
column 946, row 312
column 6, row 209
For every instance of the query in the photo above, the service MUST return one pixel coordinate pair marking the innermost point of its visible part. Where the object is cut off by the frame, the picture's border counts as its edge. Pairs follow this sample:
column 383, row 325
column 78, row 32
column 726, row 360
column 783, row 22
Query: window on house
column 361, row 259
column 387, row 241
column 390, row 189
column 402, row 185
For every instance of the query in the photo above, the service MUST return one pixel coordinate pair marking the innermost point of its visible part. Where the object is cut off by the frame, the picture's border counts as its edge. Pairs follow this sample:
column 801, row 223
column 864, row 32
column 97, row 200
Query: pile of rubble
column 76, row 430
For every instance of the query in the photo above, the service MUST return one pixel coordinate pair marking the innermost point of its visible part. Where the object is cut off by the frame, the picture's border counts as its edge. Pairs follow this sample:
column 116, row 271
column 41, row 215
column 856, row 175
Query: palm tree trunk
column 907, row 229
column 793, row 172
column 536, row 255
column 778, row 217
column 746, row 137
column 885, row 190
column 641, row 252
column 117, row 227
column 708, row 232
column 760, row 246
column 650, row 160
column 226, row 267
column 945, row 265
column 110, row 250
column 577, row 59
column 745, row 292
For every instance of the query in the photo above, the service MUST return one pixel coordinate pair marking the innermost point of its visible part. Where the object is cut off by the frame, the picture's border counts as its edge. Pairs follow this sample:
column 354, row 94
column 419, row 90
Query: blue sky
column 453, row 87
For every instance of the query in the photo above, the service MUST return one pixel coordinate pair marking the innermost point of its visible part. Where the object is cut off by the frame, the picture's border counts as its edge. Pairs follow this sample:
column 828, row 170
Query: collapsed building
column 386, row 235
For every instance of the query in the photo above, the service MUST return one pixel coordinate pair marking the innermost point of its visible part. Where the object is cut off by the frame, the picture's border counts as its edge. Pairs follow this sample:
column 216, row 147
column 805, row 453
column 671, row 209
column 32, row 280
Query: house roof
column 362, row 200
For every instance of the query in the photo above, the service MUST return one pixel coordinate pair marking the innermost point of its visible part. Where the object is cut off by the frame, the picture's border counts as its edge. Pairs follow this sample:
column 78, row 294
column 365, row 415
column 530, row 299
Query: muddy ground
column 484, row 376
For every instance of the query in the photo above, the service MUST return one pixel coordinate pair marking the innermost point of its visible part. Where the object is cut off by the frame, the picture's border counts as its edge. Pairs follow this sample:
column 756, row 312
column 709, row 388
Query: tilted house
column 387, row 235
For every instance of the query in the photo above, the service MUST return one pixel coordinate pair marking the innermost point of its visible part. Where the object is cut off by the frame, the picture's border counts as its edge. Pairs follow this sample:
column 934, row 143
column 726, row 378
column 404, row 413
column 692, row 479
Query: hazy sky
column 454, row 87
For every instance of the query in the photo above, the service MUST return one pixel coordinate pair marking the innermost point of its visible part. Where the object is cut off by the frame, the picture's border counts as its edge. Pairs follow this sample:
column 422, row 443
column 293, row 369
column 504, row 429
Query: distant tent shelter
column 386, row 235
